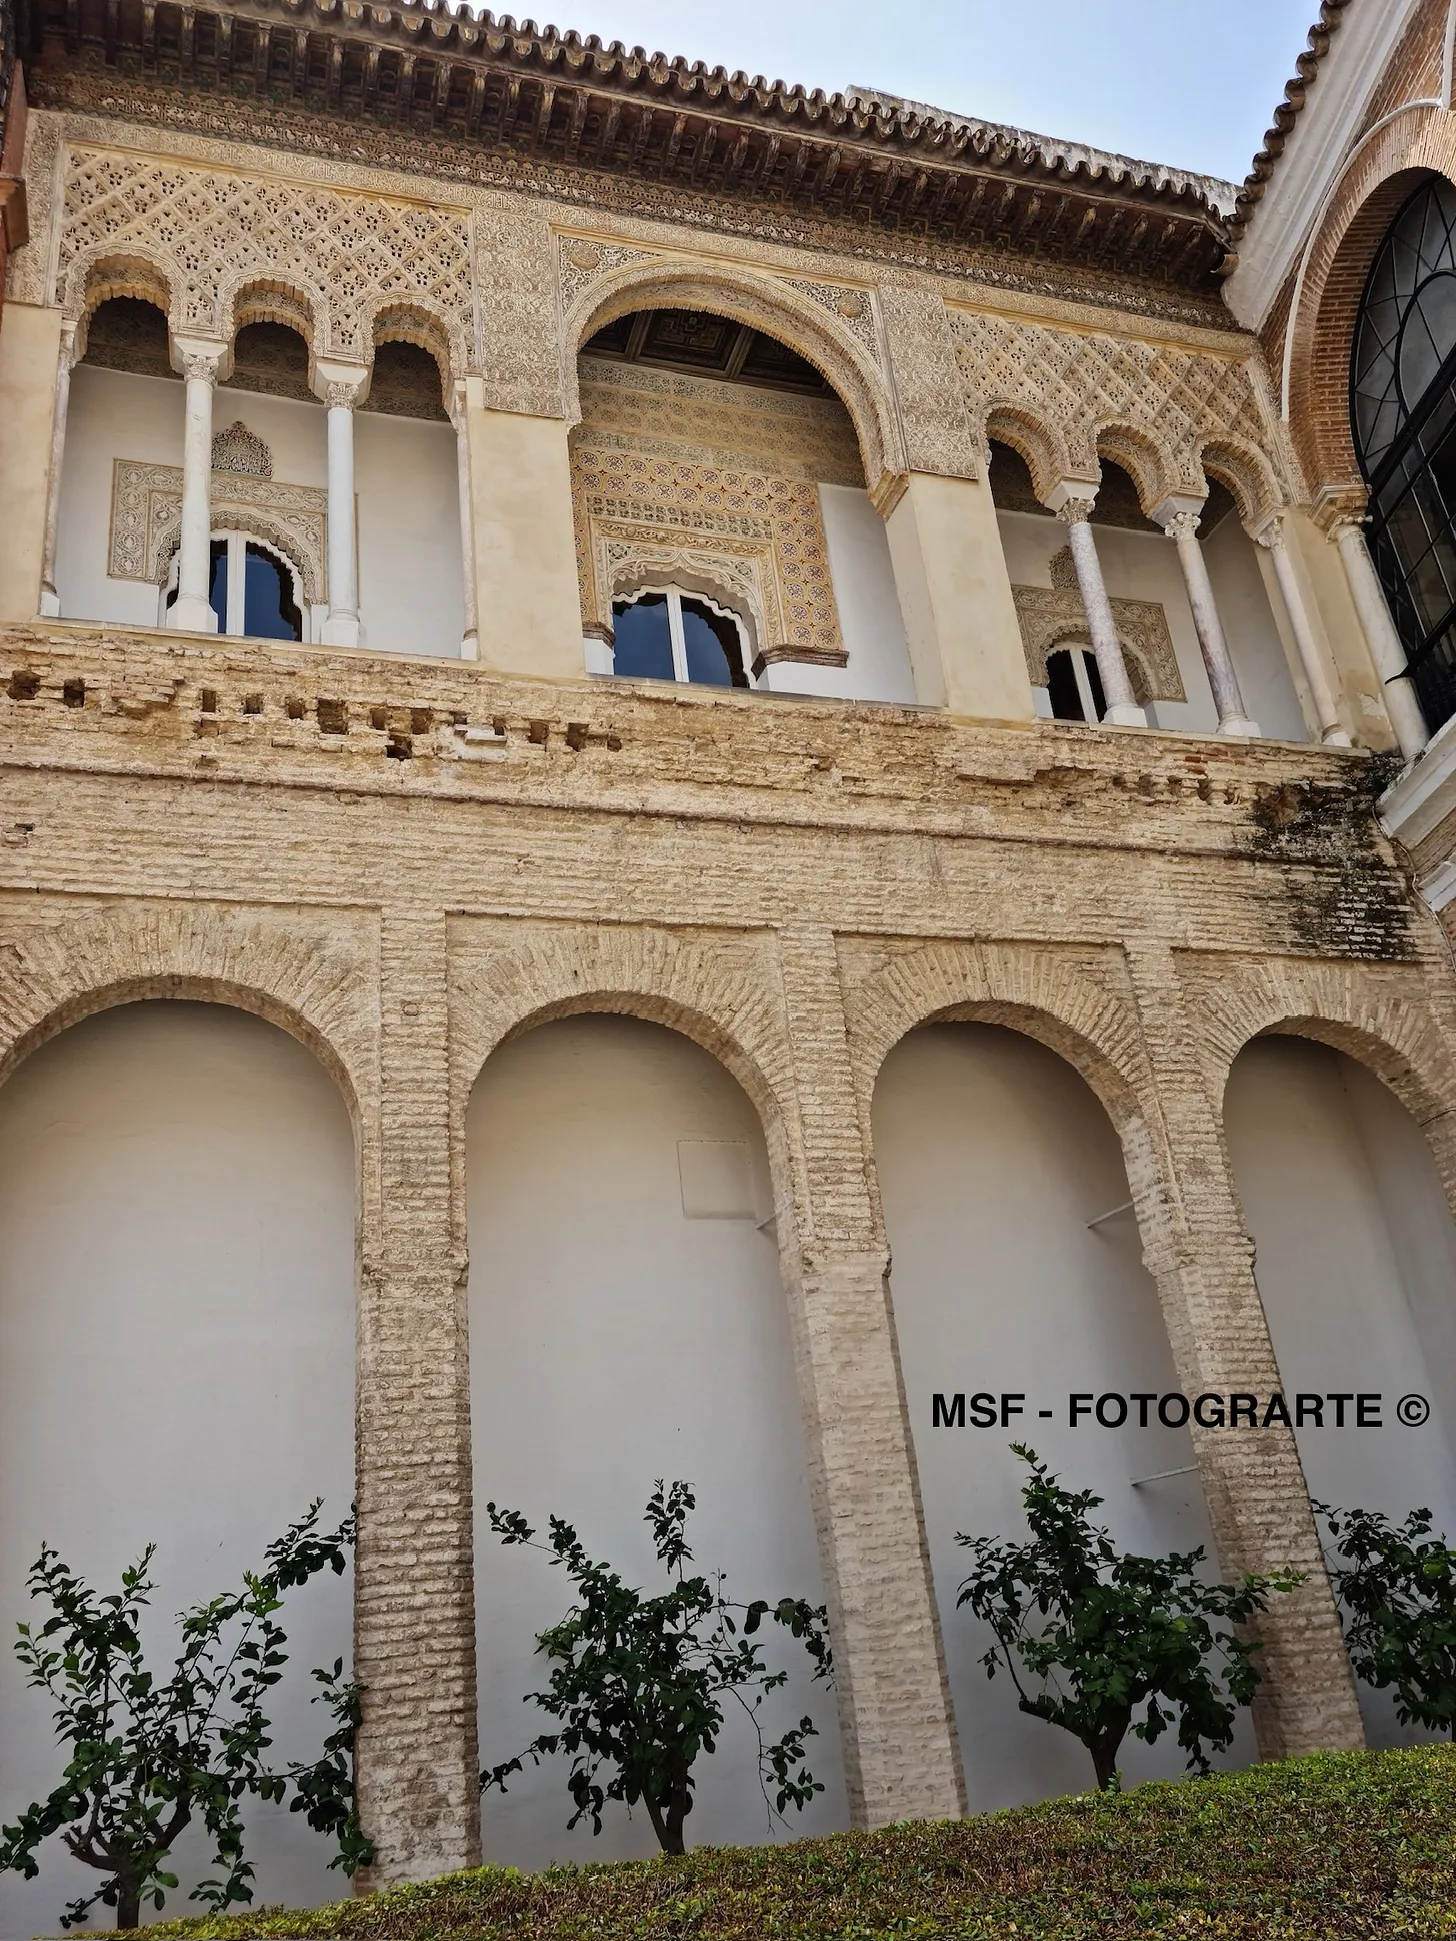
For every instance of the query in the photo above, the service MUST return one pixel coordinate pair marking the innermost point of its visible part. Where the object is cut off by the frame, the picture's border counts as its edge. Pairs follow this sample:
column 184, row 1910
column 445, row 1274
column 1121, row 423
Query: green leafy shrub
column 639, row 1682
column 147, row 1755
column 1097, row 1632
column 1396, row 1585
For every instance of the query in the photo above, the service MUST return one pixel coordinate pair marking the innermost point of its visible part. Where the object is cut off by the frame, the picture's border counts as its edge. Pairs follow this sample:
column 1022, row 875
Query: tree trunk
column 128, row 1904
column 1104, row 1751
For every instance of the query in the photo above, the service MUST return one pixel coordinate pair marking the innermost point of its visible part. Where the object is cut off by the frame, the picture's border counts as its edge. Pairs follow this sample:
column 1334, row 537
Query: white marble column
column 1401, row 702
column 1073, row 506
column 1180, row 522
column 340, row 395
column 459, row 417
column 1271, row 537
column 192, row 610
column 50, row 599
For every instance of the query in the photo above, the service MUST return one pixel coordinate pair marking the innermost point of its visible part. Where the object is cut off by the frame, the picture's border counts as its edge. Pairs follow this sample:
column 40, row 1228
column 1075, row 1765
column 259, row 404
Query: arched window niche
column 254, row 589
column 671, row 634
column 1403, row 421
column 725, row 533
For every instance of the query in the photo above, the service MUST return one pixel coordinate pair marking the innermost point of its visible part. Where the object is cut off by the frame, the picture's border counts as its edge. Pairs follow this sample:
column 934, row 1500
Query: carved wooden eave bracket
column 560, row 102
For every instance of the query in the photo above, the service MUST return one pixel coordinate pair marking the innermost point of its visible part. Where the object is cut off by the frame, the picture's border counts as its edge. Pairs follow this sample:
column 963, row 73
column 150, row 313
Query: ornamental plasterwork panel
column 672, row 505
column 667, row 465
column 1164, row 405
column 146, row 515
column 583, row 260
column 208, row 232
column 853, row 308
column 671, row 414
column 1052, row 616
column 939, row 436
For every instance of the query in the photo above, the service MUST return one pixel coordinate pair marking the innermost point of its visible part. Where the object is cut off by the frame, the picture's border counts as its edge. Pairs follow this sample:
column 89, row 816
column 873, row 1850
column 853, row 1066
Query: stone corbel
column 806, row 656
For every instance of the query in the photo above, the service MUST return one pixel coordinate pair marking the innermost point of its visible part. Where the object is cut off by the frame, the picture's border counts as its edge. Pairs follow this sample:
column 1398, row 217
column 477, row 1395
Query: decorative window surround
column 1051, row 616
column 146, row 512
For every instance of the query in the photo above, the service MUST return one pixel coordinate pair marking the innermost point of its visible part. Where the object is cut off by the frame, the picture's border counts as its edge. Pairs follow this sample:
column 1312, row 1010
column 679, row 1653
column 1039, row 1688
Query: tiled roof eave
column 558, row 96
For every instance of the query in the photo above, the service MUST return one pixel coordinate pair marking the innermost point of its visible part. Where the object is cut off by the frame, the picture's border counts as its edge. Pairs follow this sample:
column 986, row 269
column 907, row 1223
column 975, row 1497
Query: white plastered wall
column 1356, row 1263
column 869, row 609
column 176, row 1365
column 406, row 487
column 1144, row 566
column 614, row 1339
column 993, row 1155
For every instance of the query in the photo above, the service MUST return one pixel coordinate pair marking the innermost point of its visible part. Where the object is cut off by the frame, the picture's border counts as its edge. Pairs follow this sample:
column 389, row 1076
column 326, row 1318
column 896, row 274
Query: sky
column 1174, row 81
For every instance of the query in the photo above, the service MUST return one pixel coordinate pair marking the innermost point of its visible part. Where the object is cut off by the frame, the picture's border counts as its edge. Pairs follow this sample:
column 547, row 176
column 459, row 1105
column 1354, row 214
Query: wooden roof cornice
column 420, row 69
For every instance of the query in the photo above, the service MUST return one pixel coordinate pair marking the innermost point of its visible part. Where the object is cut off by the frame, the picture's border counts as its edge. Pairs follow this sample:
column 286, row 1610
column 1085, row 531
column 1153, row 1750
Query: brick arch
column 712, row 994
column 1063, row 1004
column 308, row 985
column 768, row 305
column 1386, row 1025
column 1413, row 146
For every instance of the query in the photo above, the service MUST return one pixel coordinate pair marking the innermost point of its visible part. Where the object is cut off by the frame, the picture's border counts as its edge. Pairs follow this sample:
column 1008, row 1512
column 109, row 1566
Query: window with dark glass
column 673, row 637
column 251, row 590
column 1074, row 686
column 1403, row 418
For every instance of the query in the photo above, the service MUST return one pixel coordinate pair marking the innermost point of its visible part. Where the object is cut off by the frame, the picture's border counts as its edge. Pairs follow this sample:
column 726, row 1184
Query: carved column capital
column 1075, row 511
column 200, row 367
column 1181, row 525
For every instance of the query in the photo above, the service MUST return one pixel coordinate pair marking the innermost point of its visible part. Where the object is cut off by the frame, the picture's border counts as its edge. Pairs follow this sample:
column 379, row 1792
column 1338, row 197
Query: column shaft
column 341, row 628
column 50, row 600
column 901, row 1755
column 414, row 1630
column 470, row 638
column 1271, row 537
column 192, row 609
column 1122, row 707
column 1233, row 717
column 1386, row 650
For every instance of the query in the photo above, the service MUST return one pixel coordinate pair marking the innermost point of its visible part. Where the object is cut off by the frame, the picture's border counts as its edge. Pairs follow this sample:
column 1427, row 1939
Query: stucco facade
column 407, row 858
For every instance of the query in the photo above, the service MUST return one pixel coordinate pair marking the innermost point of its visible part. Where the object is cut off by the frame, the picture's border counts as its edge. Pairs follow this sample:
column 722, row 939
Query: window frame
column 675, row 595
column 1079, row 656
column 238, row 539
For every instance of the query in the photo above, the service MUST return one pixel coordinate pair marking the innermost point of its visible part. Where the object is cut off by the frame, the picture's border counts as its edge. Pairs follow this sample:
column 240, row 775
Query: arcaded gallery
column 689, row 766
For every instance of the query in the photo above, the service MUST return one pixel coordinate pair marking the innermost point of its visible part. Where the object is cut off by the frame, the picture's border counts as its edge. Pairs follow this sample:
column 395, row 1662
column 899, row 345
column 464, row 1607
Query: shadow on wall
column 993, row 1157
column 1356, row 1264
column 177, row 1192
column 627, row 1321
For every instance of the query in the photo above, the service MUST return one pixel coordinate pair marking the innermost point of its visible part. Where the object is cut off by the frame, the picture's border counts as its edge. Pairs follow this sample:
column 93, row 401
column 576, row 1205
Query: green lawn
column 1319, row 1849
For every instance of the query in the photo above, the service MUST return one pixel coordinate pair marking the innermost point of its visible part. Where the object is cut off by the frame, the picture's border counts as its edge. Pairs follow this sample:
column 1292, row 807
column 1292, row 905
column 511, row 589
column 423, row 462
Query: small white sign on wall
column 717, row 1179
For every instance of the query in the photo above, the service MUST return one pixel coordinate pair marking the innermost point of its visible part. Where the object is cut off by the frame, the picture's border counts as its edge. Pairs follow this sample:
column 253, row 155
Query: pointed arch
column 712, row 993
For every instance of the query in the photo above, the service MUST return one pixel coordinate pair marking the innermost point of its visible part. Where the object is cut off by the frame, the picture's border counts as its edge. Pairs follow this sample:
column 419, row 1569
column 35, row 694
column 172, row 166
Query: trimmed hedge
column 1322, row 1849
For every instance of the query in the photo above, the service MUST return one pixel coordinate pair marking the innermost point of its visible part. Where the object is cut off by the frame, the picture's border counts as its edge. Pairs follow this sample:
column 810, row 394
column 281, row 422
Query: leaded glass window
column 1403, row 417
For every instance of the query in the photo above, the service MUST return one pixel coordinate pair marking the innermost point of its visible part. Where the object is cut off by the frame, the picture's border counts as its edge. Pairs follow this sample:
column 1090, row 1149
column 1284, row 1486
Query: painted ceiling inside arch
column 519, row 105
column 706, row 345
